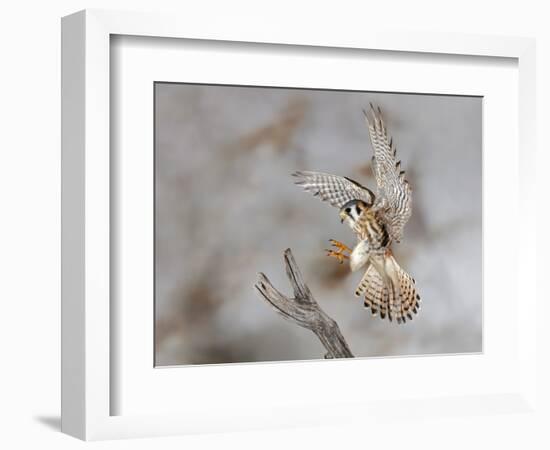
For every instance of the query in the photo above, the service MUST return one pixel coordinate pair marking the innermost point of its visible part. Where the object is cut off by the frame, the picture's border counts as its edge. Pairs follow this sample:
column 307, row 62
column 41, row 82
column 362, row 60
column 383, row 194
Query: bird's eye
column 348, row 210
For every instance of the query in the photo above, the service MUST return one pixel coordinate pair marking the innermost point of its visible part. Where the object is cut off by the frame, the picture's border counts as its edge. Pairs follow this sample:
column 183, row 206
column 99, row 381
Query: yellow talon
column 340, row 253
column 341, row 247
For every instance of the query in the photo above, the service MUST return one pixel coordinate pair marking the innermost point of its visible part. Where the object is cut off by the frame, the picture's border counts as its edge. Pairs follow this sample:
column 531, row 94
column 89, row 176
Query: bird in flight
column 377, row 220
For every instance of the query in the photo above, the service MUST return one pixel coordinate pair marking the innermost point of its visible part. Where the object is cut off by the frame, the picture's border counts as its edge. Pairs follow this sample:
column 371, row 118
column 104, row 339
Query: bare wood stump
column 303, row 309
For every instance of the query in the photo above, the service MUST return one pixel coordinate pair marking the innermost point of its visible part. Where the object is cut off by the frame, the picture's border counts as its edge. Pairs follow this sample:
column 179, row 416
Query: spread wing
column 394, row 192
column 332, row 188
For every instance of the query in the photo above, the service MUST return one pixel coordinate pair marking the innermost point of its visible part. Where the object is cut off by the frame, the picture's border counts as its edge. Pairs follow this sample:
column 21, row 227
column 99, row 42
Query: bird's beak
column 342, row 217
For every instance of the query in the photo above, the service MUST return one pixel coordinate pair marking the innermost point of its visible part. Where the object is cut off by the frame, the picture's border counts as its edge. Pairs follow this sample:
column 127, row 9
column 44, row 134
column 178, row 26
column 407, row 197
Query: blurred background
column 226, row 209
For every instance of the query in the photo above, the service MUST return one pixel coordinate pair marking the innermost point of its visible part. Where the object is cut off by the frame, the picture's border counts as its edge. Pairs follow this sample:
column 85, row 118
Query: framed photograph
column 224, row 156
column 253, row 218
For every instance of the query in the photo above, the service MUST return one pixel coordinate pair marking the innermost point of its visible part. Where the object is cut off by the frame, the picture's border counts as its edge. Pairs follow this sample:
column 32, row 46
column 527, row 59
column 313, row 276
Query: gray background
column 226, row 208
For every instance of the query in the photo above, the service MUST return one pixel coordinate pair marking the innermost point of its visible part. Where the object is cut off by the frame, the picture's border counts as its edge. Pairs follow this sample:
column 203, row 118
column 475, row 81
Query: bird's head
column 350, row 212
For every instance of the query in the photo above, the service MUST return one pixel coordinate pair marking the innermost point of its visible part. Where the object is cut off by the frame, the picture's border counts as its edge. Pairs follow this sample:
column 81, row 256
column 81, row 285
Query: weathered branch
column 303, row 309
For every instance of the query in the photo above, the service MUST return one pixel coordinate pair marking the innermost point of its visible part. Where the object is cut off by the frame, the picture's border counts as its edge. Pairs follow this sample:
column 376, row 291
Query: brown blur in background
column 226, row 208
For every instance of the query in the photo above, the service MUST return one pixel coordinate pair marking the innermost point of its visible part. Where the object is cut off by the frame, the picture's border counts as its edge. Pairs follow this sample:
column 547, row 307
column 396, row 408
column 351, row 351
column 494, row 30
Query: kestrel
column 377, row 220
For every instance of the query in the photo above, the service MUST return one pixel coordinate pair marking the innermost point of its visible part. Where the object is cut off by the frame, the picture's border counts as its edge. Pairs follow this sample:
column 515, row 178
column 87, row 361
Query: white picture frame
column 87, row 325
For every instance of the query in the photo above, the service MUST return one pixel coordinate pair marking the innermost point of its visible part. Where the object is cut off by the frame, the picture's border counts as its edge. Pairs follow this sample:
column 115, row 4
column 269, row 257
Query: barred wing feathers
column 394, row 192
column 333, row 189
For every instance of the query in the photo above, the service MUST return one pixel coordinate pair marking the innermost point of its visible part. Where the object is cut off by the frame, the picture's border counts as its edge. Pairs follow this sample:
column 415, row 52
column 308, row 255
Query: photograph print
column 302, row 224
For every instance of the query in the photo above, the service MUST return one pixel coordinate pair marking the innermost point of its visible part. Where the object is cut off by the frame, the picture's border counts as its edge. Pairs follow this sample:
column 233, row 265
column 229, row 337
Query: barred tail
column 389, row 290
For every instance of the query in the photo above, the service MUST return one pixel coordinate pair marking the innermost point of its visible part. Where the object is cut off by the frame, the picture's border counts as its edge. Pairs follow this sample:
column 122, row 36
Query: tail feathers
column 363, row 284
column 399, row 300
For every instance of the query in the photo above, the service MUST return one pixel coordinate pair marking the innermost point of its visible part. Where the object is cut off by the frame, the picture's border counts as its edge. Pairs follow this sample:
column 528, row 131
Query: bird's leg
column 340, row 253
